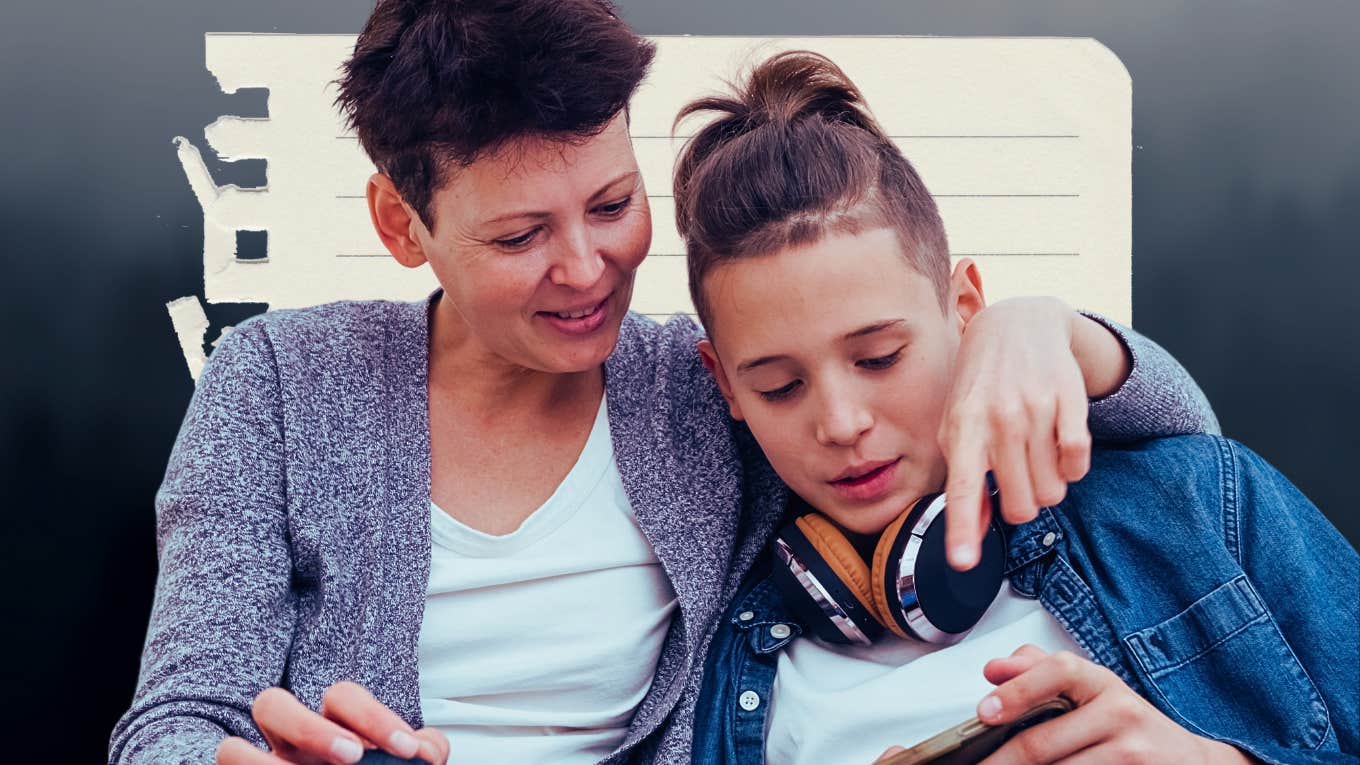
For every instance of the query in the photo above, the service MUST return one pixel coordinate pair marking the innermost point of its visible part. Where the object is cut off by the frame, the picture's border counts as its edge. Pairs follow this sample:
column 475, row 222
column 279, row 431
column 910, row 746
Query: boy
column 1184, row 596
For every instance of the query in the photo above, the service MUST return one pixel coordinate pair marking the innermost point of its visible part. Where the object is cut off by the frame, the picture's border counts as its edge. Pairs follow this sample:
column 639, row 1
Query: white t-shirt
column 538, row 645
column 836, row 703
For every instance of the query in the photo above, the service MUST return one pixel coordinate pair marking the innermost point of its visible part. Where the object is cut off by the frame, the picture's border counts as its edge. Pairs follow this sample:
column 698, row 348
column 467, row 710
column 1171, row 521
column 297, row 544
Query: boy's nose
column 842, row 422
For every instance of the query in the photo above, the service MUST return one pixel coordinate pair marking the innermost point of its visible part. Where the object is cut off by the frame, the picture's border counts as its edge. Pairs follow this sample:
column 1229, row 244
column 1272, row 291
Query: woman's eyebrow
column 630, row 175
column 517, row 215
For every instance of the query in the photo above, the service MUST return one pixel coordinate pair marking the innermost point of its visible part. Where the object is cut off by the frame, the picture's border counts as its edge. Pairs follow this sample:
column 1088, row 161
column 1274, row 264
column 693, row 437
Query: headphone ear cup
column 936, row 603
column 822, row 585
column 842, row 557
column 883, row 558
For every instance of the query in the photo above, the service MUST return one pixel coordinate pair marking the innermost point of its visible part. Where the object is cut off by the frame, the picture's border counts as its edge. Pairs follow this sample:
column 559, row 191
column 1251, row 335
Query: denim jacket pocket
column 1226, row 645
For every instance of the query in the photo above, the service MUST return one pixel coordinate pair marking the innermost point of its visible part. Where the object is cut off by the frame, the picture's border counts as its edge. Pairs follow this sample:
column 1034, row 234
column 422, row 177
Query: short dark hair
column 436, row 84
column 795, row 153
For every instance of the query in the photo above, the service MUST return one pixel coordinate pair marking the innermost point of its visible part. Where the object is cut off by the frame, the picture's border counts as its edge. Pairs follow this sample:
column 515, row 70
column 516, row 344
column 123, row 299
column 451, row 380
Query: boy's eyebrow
column 869, row 329
column 747, row 366
column 876, row 327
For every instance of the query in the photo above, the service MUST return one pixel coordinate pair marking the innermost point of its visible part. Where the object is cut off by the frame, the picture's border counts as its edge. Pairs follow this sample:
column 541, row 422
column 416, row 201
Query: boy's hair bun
column 789, row 86
column 792, row 153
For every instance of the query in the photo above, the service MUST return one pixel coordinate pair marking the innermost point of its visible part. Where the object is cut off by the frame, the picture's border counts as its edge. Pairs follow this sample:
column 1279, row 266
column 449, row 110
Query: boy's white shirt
column 835, row 703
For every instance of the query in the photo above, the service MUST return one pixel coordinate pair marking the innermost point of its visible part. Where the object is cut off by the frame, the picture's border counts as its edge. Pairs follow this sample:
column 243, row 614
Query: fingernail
column 404, row 743
column 989, row 708
column 347, row 750
column 963, row 556
column 429, row 753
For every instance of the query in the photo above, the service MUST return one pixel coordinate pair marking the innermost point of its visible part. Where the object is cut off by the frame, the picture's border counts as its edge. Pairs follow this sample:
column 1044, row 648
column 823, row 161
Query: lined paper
column 1025, row 143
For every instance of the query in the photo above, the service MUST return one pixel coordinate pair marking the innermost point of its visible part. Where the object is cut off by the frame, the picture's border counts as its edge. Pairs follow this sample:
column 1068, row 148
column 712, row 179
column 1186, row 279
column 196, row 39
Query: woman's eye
column 614, row 209
column 518, row 242
column 779, row 393
column 881, row 362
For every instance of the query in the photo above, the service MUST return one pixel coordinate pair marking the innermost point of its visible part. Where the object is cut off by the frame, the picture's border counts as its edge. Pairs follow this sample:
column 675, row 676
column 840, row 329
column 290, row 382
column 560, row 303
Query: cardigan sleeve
column 222, row 616
column 1159, row 398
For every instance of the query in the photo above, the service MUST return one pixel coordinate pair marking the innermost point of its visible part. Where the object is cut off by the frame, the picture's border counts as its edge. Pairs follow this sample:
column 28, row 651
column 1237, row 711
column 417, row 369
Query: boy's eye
column 614, row 208
column 781, row 392
column 518, row 242
column 881, row 362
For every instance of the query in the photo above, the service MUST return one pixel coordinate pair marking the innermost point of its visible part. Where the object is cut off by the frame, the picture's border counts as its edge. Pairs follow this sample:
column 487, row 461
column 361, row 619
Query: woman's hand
column 1110, row 723
column 1017, row 407
column 351, row 720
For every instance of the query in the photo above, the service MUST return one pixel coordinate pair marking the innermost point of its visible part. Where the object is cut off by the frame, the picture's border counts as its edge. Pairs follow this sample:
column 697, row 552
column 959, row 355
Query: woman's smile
column 579, row 321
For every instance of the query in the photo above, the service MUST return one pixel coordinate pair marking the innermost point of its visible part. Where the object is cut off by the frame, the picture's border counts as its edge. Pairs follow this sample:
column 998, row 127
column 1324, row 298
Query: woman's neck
column 461, row 367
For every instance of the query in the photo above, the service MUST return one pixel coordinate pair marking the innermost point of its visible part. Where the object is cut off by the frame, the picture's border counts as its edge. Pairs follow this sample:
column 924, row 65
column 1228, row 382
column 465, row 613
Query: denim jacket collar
column 758, row 614
column 1025, row 544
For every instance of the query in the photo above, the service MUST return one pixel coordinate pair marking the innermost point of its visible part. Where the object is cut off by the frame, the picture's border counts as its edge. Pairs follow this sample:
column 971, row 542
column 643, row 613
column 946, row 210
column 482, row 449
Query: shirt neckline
column 590, row 466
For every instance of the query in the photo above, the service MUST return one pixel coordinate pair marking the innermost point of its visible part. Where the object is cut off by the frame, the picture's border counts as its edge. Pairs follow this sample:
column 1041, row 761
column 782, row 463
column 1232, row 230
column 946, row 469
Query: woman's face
column 838, row 357
column 536, row 247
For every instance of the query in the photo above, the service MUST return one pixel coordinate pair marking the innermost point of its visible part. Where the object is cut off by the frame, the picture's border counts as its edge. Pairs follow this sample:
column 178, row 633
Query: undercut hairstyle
column 793, row 155
column 433, row 85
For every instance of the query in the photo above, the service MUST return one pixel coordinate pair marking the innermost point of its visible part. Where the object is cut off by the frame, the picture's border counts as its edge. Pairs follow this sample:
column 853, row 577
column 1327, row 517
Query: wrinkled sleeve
column 1159, row 398
column 222, row 616
column 1308, row 576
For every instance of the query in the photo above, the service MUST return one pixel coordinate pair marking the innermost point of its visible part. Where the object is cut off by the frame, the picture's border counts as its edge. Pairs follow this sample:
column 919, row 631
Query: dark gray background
column 1246, row 193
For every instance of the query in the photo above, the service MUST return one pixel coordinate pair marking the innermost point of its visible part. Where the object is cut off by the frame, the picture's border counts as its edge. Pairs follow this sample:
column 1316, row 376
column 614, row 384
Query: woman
column 508, row 515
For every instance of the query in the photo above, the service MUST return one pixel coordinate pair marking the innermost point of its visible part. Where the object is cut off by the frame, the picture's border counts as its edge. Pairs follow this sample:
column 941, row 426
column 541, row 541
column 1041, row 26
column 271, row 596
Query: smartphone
column 971, row 742
column 379, row 757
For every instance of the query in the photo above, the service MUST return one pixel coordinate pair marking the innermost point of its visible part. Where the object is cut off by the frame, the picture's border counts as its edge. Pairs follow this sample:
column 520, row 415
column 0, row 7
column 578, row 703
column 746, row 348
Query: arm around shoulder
column 1158, row 398
column 222, row 616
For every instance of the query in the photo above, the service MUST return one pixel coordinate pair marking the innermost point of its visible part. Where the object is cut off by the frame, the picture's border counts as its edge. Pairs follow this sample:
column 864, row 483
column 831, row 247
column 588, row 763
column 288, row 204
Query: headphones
column 908, row 588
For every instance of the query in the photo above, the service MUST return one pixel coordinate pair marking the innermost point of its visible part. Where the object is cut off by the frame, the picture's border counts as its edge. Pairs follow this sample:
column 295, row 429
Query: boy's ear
column 395, row 221
column 715, row 368
column 965, row 292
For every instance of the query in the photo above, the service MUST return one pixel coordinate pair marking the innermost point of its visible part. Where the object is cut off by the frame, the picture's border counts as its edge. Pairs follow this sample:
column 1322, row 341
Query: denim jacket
column 1188, row 566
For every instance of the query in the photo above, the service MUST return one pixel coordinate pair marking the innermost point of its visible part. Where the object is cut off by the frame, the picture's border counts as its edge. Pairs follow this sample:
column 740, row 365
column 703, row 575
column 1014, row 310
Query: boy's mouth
column 867, row 481
column 865, row 471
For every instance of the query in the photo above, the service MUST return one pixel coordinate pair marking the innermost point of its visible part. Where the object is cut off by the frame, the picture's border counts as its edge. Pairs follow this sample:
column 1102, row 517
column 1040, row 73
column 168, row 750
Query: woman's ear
column 715, row 368
column 965, row 293
column 395, row 222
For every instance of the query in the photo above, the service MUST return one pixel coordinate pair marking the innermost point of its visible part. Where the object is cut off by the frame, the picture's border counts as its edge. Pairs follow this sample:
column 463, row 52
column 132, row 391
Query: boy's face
column 839, row 359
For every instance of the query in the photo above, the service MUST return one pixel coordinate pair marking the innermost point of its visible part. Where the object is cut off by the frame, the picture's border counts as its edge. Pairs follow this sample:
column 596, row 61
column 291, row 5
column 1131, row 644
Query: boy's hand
column 351, row 721
column 1110, row 723
column 1017, row 407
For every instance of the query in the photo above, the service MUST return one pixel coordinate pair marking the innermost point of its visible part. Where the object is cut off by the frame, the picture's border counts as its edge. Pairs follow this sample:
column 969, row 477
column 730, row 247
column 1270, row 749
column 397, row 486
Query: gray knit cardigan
column 293, row 529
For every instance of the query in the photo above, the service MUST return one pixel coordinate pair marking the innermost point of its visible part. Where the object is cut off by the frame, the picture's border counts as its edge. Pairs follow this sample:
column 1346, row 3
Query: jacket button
column 746, row 616
column 749, row 701
column 1049, row 539
column 780, row 631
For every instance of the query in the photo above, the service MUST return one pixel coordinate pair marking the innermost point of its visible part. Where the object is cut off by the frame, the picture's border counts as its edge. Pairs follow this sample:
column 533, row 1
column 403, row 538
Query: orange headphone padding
column 841, row 556
column 879, row 572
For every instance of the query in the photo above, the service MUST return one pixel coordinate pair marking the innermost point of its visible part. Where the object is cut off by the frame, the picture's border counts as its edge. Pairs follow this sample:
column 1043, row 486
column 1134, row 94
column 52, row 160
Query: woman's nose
column 577, row 264
column 842, row 420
